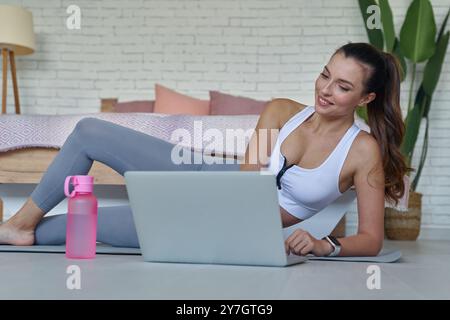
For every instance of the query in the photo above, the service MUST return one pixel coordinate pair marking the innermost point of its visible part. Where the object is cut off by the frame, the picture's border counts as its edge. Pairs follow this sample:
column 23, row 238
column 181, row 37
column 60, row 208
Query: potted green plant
column 417, row 44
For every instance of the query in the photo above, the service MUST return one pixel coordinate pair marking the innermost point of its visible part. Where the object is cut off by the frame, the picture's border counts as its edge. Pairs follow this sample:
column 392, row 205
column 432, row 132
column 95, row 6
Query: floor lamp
column 16, row 38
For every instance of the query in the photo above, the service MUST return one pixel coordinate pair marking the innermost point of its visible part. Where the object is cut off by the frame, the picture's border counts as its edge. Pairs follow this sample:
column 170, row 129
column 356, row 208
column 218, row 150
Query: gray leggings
column 120, row 148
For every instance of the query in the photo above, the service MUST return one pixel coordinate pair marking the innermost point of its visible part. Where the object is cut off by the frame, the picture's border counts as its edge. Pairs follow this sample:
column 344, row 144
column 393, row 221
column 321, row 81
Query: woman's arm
column 369, row 181
column 268, row 120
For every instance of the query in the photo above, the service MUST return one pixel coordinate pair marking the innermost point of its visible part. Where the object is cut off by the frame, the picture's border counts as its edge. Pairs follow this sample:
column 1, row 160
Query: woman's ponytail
column 387, row 126
column 384, row 113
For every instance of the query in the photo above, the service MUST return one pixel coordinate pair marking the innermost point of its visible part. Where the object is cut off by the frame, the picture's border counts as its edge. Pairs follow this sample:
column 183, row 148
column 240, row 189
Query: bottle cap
column 80, row 184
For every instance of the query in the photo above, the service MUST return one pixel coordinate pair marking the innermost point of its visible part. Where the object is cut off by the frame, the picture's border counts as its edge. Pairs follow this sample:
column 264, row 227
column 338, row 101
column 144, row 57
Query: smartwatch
column 335, row 244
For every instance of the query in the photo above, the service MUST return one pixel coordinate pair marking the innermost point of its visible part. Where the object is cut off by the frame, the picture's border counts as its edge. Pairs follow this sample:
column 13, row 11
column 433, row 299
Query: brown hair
column 384, row 112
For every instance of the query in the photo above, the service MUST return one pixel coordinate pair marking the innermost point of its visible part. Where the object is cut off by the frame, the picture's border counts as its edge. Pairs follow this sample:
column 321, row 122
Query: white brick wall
column 257, row 48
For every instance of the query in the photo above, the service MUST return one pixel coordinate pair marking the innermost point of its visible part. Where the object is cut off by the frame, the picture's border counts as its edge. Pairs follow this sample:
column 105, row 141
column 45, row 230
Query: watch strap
column 335, row 244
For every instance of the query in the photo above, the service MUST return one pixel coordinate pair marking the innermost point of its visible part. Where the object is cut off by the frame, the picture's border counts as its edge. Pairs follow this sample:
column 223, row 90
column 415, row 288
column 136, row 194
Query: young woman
column 318, row 155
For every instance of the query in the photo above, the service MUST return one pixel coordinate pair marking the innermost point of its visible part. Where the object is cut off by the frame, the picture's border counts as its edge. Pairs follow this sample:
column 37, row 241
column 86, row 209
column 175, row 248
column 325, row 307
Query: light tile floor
column 422, row 273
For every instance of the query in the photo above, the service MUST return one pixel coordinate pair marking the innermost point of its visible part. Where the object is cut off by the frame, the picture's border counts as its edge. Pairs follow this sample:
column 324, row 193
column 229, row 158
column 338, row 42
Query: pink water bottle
column 81, row 232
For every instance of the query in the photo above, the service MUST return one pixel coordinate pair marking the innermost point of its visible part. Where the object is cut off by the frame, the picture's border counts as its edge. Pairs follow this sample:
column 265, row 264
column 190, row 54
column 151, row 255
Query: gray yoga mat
column 101, row 249
column 386, row 255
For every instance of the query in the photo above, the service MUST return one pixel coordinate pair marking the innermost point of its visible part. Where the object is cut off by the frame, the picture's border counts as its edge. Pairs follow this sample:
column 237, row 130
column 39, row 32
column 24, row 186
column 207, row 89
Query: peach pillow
column 171, row 102
column 135, row 106
column 226, row 104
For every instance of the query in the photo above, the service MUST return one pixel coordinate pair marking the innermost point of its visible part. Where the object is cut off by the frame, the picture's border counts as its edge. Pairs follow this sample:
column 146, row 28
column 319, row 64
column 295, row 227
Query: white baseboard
column 427, row 232
column 434, row 232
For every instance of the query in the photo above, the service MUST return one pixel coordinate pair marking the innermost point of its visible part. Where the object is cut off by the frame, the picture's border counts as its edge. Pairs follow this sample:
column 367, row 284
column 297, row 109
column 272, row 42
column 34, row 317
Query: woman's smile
column 323, row 102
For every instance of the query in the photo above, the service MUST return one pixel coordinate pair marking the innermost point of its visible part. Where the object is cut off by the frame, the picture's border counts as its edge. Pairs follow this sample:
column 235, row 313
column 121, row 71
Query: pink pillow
column 135, row 106
column 225, row 104
column 171, row 102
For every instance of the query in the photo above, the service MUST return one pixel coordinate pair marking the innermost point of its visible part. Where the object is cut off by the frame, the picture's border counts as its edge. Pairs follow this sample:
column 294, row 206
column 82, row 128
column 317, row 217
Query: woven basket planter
column 404, row 225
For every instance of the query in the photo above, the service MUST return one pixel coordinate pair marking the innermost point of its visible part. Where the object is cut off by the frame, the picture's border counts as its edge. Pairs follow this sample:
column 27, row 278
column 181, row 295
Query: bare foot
column 10, row 234
column 19, row 229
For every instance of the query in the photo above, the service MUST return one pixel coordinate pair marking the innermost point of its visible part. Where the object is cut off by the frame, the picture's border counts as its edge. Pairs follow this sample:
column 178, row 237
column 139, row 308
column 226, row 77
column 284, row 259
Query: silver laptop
column 214, row 217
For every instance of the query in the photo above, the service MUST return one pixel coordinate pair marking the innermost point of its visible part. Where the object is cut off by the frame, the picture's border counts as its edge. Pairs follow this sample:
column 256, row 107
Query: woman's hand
column 300, row 242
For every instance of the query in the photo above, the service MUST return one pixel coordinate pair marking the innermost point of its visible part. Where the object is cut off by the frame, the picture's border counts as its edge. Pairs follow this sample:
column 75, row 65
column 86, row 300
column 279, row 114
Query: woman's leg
column 115, row 224
column 118, row 147
column 92, row 139
column 115, row 227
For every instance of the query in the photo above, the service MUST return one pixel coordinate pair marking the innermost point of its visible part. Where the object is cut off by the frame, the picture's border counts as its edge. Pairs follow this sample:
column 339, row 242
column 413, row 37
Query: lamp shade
column 16, row 29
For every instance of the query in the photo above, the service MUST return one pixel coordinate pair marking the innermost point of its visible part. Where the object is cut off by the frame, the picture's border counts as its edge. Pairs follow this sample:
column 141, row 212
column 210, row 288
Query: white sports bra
column 305, row 192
